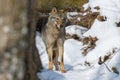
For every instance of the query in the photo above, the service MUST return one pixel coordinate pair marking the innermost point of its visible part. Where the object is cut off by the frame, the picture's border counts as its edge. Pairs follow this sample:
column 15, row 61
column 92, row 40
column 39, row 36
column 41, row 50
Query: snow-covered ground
column 108, row 35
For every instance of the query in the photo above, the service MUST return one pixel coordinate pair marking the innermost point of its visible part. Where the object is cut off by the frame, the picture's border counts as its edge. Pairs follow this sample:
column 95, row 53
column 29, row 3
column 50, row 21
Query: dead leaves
column 118, row 24
column 114, row 69
column 107, row 56
column 74, row 36
column 101, row 18
column 90, row 43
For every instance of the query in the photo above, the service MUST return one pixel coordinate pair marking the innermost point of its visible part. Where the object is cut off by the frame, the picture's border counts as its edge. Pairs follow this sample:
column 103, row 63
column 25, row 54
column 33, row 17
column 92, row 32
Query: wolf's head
column 55, row 18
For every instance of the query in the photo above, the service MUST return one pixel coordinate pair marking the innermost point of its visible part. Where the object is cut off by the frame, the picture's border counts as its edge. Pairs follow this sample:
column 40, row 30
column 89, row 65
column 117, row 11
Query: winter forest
column 59, row 40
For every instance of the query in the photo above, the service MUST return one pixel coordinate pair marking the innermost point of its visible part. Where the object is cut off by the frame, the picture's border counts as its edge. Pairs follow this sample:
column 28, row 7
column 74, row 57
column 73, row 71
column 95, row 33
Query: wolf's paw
column 63, row 71
column 50, row 66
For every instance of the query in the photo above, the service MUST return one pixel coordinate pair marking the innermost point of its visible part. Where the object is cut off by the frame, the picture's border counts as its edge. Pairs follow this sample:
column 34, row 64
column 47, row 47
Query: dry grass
column 49, row 4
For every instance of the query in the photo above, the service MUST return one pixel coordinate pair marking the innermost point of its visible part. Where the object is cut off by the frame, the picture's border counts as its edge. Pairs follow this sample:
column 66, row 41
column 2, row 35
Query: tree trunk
column 13, row 41
column 33, row 62
column 18, row 54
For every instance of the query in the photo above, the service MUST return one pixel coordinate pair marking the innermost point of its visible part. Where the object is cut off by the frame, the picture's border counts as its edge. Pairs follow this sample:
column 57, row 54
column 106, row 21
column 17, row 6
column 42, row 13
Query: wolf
column 53, row 38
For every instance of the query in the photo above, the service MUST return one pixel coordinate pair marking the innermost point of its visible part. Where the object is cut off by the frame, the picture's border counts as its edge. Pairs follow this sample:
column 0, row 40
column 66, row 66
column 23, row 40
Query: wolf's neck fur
column 50, row 24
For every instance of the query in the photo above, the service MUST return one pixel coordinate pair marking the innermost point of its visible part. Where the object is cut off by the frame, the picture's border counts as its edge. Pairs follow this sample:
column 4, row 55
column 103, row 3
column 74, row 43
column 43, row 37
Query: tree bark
column 19, row 57
column 13, row 41
column 33, row 62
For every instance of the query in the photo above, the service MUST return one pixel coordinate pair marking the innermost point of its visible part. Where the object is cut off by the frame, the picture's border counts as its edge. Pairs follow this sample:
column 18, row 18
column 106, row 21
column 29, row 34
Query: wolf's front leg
column 61, row 51
column 50, row 54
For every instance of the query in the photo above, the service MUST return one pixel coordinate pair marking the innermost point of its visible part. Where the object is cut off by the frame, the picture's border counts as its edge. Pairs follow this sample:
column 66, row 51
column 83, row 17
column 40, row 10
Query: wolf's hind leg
column 55, row 61
column 55, row 56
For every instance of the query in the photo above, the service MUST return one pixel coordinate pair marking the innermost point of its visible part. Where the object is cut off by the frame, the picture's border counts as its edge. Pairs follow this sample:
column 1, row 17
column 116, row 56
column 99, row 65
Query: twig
column 107, row 67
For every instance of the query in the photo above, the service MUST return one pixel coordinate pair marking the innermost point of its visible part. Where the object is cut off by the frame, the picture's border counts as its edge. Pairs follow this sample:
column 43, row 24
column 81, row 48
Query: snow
column 75, row 29
column 108, row 35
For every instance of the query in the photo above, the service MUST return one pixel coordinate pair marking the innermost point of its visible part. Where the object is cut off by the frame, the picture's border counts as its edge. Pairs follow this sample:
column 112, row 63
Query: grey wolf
column 53, row 39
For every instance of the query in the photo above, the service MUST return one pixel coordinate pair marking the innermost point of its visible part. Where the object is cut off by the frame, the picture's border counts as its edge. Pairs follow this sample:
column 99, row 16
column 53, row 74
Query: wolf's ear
column 54, row 11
